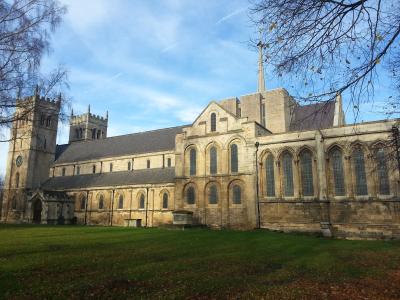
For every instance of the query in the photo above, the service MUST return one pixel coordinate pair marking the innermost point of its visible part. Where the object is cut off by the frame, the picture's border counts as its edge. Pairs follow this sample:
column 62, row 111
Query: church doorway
column 37, row 211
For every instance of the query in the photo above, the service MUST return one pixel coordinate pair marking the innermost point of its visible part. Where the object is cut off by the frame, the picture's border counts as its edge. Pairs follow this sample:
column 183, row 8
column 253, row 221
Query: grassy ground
column 98, row 262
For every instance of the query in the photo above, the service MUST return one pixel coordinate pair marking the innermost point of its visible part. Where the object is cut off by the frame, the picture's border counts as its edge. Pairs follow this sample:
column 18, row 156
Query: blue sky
column 155, row 64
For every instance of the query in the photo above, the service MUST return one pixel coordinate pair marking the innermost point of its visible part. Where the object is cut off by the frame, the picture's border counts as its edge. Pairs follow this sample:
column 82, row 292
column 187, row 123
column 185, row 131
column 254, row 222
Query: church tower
column 31, row 152
column 87, row 127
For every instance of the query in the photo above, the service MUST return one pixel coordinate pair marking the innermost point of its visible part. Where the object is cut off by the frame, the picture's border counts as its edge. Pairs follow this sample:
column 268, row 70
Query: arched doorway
column 37, row 211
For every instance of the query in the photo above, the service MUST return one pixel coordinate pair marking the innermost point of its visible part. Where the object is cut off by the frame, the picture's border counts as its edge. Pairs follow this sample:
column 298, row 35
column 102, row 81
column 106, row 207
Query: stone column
column 321, row 167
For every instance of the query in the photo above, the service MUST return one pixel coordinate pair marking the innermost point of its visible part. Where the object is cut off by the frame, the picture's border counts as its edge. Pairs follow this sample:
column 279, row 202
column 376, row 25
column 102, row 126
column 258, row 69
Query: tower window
column 93, row 133
column 17, row 180
column 42, row 119
column 148, row 164
column 48, row 121
column 213, row 120
column 14, row 203
column 263, row 114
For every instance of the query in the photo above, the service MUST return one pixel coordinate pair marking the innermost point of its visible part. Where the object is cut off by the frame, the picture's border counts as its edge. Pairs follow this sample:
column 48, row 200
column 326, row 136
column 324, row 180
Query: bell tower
column 31, row 151
column 87, row 126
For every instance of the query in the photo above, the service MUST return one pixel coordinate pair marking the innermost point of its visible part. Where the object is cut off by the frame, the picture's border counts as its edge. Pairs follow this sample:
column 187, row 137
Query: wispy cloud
column 231, row 15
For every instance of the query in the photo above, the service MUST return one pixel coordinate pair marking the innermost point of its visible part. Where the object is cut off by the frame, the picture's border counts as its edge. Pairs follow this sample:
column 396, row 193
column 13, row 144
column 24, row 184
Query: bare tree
column 332, row 46
column 25, row 28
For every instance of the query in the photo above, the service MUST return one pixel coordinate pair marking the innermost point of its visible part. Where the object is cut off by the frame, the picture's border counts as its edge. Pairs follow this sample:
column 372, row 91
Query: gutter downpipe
column 86, row 206
column 112, row 208
column 147, row 203
column 257, row 144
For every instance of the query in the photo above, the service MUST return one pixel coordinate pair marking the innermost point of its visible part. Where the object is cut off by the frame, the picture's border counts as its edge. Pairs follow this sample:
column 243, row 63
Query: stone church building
column 257, row 161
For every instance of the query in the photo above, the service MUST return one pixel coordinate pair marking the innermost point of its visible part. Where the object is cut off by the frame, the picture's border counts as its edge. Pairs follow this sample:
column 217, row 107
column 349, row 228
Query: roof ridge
column 128, row 134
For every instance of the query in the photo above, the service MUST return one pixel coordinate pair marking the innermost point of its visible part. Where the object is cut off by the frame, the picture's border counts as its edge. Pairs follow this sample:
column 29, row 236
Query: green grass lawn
column 101, row 262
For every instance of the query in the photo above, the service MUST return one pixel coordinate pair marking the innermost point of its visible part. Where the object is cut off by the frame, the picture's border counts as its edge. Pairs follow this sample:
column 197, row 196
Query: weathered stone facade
column 260, row 160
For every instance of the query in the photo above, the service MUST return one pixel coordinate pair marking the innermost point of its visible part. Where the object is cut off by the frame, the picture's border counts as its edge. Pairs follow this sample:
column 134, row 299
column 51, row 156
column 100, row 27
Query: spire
column 338, row 119
column 107, row 115
column 88, row 109
column 72, row 112
column 261, row 81
column 37, row 90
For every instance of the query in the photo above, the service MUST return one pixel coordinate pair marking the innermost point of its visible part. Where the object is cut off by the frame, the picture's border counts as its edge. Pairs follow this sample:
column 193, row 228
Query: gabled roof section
column 136, row 143
column 145, row 176
column 313, row 116
column 219, row 106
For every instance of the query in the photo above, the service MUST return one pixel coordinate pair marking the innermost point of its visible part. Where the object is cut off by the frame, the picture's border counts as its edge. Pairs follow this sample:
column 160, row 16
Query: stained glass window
column 192, row 162
column 213, row 194
column 359, row 170
column 213, row 160
column 288, row 174
column 234, row 158
column 383, row 177
column 306, row 173
column 270, row 180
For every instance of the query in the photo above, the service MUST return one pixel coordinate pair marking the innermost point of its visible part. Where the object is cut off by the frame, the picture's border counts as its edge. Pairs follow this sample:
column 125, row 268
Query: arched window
column 213, row 160
column 141, row 201
column 383, row 177
column 94, row 169
column 270, row 179
column 42, row 119
column 234, row 158
column 17, row 180
column 98, row 134
column 111, row 167
column 287, row 162
column 48, row 121
column 14, row 203
column 63, row 171
column 165, row 200
column 307, row 183
column 192, row 155
column 213, row 122
column 83, row 203
column 237, row 194
column 213, row 194
column 169, row 163
column 121, row 202
column 338, row 173
column 129, row 165
column 101, row 201
column 190, row 195
column 359, row 172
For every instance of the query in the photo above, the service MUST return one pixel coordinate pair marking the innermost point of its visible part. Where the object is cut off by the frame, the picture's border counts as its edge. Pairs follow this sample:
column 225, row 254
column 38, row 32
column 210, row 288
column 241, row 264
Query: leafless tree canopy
column 331, row 46
column 25, row 28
